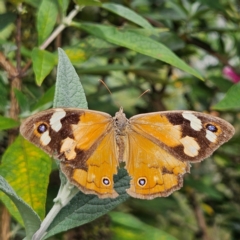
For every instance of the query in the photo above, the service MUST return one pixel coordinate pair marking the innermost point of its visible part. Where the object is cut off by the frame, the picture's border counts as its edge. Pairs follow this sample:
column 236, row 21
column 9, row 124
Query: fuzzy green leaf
column 69, row 91
column 85, row 208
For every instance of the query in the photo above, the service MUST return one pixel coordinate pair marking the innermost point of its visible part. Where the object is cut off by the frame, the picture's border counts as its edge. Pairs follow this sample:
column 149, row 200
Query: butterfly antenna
column 105, row 85
column 146, row 91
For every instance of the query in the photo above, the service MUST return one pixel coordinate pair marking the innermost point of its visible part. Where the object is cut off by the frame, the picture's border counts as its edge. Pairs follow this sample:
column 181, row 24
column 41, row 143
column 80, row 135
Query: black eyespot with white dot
column 142, row 182
column 42, row 128
column 211, row 128
column 106, row 181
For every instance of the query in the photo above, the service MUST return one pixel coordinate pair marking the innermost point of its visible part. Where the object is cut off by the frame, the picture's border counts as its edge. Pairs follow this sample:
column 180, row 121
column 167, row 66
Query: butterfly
column 157, row 148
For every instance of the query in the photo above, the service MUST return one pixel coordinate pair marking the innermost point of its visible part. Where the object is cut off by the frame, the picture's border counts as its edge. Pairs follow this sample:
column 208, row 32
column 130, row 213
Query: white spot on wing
column 45, row 138
column 68, row 147
column 211, row 136
column 55, row 122
column 191, row 147
column 195, row 122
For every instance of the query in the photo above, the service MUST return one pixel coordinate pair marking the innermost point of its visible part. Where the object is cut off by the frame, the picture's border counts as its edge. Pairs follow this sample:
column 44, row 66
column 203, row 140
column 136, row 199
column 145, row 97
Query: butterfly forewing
column 187, row 135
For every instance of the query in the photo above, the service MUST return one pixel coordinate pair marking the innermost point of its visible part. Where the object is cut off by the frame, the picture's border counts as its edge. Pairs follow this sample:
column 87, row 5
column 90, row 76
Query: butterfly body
column 157, row 148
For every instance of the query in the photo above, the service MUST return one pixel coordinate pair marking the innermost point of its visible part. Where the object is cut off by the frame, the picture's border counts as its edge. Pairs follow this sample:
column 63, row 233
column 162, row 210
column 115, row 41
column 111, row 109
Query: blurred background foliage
column 205, row 34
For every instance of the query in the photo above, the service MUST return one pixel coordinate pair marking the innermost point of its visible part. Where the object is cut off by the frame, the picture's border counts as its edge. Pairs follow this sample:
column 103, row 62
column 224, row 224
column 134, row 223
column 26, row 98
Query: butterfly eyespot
column 42, row 128
column 211, row 128
column 106, row 181
column 142, row 182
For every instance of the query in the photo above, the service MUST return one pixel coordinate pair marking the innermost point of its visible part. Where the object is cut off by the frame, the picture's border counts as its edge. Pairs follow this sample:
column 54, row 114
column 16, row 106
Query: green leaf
column 77, row 54
column 102, row 69
column 85, row 208
column 4, row 92
column 46, row 19
column 43, row 63
column 30, row 218
column 34, row 3
column 88, row 47
column 217, row 5
column 63, row 4
column 46, row 100
column 22, row 101
column 88, row 2
column 170, row 14
column 127, row 14
column 147, row 32
column 137, row 43
column 5, row 19
column 179, row 10
column 222, row 83
column 205, row 188
column 231, row 99
column 172, row 41
column 69, row 91
column 27, row 169
column 7, row 123
column 128, row 227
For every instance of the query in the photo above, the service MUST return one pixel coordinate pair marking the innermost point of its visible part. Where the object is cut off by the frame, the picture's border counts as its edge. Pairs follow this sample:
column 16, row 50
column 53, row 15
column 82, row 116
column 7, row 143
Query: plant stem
column 65, row 194
column 67, row 21
column 60, row 28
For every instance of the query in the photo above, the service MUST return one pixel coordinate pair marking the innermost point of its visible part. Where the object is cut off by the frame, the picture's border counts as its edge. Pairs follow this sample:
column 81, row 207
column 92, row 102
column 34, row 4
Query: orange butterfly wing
column 84, row 142
column 96, row 146
column 161, row 144
column 154, row 172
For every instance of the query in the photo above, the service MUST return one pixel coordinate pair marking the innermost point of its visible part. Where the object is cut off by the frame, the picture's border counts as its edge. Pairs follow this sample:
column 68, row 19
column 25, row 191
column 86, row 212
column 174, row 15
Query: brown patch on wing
column 224, row 132
column 29, row 129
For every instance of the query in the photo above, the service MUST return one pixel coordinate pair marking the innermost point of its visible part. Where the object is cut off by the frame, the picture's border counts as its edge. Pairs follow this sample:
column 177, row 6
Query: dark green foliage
column 169, row 47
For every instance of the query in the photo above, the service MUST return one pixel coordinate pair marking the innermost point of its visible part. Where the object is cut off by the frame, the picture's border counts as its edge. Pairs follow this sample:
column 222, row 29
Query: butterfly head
column 120, row 121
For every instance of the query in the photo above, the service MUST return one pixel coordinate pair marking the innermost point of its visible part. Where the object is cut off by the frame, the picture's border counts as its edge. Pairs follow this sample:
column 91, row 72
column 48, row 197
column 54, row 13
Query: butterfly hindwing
column 154, row 172
column 101, row 165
